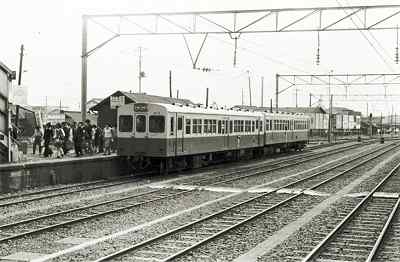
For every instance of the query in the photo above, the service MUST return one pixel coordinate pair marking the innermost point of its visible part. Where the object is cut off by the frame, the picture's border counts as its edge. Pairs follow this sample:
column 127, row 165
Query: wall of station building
column 4, row 91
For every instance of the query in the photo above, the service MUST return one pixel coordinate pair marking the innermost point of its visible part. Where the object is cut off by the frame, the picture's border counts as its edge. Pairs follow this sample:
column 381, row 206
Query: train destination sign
column 140, row 108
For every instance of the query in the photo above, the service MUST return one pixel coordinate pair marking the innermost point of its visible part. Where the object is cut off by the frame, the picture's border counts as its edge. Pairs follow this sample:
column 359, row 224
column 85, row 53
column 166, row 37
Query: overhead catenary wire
column 388, row 65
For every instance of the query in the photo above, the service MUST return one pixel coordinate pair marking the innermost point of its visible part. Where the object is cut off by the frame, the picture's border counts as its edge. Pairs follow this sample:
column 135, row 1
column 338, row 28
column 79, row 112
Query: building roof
column 344, row 111
column 76, row 116
column 6, row 70
column 143, row 98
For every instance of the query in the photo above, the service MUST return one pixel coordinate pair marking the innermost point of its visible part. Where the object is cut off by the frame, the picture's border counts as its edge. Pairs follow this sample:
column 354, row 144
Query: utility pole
column 84, row 57
column 207, row 97
column 276, row 91
column 170, row 83
column 296, row 96
column 270, row 104
column 21, row 57
column 310, row 100
column 242, row 97
column 262, row 91
column 330, row 119
column 249, row 87
column 177, row 94
column 140, row 69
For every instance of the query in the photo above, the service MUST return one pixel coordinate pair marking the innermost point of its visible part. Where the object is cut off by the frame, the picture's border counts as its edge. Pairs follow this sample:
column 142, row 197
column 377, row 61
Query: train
column 166, row 136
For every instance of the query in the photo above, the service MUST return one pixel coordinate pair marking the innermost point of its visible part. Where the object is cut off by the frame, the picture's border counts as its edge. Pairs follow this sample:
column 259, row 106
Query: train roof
column 214, row 111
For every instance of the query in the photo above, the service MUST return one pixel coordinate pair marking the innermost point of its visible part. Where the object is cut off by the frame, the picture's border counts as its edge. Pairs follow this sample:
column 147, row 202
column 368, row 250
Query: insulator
column 396, row 59
column 318, row 57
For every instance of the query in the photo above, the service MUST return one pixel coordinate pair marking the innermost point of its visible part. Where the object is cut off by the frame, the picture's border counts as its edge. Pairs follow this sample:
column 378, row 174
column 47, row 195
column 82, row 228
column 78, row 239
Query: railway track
column 361, row 234
column 185, row 239
column 37, row 224
column 274, row 165
column 271, row 167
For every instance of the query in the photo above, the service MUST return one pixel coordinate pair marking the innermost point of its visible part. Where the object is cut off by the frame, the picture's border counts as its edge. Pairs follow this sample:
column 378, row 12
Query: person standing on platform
column 79, row 139
column 59, row 140
column 97, row 138
column 37, row 140
column 108, row 138
column 66, row 142
column 48, row 135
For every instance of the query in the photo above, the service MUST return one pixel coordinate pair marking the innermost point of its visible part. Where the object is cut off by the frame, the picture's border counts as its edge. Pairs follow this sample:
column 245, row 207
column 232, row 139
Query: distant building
column 92, row 102
column 107, row 108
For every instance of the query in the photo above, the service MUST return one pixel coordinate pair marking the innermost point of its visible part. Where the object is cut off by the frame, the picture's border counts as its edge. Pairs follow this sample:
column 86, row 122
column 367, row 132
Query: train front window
column 125, row 123
column 157, row 124
column 141, row 123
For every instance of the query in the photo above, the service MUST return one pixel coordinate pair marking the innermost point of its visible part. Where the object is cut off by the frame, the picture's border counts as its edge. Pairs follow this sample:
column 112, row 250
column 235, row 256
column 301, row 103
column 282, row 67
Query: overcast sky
column 51, row 33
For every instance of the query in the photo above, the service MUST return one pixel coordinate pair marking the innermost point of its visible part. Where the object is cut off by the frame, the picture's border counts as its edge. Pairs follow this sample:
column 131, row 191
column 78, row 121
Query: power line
column 369, row 41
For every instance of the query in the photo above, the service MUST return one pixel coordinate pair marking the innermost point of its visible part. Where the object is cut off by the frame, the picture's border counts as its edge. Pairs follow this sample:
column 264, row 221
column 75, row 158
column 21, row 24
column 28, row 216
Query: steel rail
column 379, row 241
column 188, row 225
column 282, row 167
column 348, row 218
column 86, row 217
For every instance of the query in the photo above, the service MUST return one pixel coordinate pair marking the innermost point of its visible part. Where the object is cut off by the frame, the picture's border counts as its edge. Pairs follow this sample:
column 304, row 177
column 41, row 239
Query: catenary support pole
column 170, row 83
column 21, row 58
column 207, row 97
column 262, row 91
column 276, row 92
column 250, row 91
column 84, row 68
column 330, row 119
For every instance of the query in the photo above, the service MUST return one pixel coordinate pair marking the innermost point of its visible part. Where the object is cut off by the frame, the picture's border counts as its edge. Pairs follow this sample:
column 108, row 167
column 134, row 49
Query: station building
column 107, row 108
column 6, row 76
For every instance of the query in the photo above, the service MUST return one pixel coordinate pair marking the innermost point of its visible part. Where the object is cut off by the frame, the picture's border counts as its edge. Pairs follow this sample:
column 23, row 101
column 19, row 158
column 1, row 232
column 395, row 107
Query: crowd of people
column 83, row 138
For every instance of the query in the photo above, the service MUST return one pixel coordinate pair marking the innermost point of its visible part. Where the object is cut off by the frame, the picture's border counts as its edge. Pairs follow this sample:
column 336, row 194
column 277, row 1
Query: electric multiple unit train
column 167, row 135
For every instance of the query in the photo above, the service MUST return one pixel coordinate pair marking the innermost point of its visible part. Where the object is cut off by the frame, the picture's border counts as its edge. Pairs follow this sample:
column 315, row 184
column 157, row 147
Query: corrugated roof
column 144, row 98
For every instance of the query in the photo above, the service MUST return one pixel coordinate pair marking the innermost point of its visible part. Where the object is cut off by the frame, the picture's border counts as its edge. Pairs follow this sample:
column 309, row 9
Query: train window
column 270, row 124
column 214, row 126
column 241, row 125
column 247, row 126
column 157, row 124
column 266, row 125
column 140, row 123
column 219, row 127
column 197, row 125
column 205, row 126
column 253, row 126
column 230, row 126
column 187, row 126
column 261, row 125
column 172, row 124
column 125, row 123
column 180, row 123
column 256, row 124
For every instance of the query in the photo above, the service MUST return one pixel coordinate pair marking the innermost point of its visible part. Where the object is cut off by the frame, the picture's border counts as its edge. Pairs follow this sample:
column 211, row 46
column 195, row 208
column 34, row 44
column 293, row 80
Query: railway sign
column 117, row 101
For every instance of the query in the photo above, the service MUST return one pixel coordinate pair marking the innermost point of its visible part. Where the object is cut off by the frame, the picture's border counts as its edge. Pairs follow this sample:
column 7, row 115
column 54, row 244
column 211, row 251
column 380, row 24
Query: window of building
column 140, row 123
column 125, row 123
column 157, row 124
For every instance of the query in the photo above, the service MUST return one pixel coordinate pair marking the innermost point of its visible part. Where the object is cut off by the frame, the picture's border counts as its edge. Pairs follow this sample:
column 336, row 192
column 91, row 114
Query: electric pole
column 170, row 83
column 262, row 91
column 140, row 69
column 21, row 57
column 249, row 87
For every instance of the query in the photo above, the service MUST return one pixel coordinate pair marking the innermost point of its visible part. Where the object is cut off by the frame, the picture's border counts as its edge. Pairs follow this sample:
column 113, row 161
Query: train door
column 179, row 141
column 141, row 120
column 258, row 129
column 225, row 132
